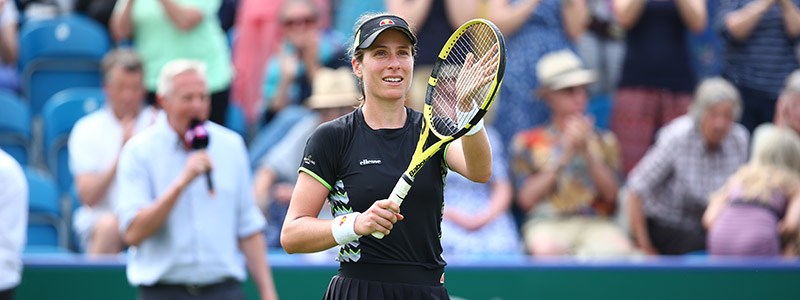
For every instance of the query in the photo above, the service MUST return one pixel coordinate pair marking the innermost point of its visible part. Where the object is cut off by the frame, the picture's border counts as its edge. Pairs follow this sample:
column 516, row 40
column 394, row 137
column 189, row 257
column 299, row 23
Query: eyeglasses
column 302, row 21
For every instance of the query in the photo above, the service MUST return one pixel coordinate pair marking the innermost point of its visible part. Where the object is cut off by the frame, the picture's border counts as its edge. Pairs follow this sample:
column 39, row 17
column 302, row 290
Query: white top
column 13, row 220
column 198, row 242
column 9, row 15
column 94, row 144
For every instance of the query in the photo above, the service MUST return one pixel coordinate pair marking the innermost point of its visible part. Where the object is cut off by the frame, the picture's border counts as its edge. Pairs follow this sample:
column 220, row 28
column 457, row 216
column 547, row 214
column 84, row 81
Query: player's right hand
column 380, row 217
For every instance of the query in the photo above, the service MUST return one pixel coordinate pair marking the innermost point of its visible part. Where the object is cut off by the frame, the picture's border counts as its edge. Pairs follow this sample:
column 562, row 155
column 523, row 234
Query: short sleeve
column 322, row 153
column 134, row 192
column 80, row 143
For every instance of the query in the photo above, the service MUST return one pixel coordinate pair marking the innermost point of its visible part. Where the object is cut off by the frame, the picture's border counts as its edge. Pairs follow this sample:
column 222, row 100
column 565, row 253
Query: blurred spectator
column 334, row 95
column 477, row 217
column 759, row 38
column 13, row 223
column 602, row 47
column 693, row 156
column 184, row 233
column 531, row 28
column 657, row 76
column 760, row 203
column 95, row 143
column 44, row 9
column 566, row 170
column 258, row 34
column 306, row 46
column 433, row 21
column 164, row 30
column 788, row 108
column 9, row 45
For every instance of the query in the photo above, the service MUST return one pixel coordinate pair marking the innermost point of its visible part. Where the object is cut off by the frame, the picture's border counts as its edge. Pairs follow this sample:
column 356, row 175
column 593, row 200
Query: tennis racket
column 461, row 88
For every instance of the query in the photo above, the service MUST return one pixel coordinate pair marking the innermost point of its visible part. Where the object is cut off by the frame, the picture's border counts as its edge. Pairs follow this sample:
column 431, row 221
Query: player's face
column 188, row 100
column 717, row 123
column 387, row 66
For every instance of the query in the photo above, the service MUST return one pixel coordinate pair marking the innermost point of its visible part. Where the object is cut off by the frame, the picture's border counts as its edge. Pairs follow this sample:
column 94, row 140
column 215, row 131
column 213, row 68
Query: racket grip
column 398, row 195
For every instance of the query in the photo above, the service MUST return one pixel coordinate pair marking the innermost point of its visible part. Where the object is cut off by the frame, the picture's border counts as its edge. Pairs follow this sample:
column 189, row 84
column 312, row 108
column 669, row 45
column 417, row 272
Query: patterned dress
column 498, row 237
column 542, row 32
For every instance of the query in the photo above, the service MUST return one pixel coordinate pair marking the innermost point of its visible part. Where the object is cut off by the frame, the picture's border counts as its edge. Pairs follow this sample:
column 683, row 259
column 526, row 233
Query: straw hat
column 562, row 69
column 333, row 88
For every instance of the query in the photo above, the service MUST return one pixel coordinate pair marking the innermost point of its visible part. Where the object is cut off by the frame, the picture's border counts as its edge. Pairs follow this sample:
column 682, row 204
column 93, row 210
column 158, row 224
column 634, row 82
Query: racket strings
column 464, row 79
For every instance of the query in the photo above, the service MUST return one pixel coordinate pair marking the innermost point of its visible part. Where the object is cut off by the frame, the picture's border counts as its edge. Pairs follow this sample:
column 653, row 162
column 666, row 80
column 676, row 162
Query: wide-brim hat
column 333, row 88
column 562, row 69
column 368, row 32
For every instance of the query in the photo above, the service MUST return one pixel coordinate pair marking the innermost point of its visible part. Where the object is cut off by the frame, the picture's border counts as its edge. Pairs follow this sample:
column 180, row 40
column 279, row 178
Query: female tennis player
column 354, row 162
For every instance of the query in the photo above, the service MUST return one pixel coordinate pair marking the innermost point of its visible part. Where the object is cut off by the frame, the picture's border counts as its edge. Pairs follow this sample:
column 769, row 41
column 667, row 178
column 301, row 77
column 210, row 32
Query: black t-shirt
column 360, row 165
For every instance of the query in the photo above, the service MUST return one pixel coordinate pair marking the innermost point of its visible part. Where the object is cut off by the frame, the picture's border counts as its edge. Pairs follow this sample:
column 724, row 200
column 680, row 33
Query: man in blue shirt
column 186, row 239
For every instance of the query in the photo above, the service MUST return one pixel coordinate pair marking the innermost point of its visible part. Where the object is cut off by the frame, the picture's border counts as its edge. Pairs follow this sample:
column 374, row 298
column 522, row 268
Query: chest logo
column 365, row 162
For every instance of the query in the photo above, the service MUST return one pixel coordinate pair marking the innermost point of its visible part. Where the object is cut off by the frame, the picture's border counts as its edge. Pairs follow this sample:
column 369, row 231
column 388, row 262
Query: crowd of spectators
column 561, row 185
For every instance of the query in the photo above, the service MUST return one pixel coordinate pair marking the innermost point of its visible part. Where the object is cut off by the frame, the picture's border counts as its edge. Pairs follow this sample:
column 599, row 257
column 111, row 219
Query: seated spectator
column 567, row 170
column 306, row 47
column 477, row 219
column 94, row 146
column 335, row 94
column 9, row 46
column 693, row 155
column 760, row 203
column 13, row 223
column 787, row 112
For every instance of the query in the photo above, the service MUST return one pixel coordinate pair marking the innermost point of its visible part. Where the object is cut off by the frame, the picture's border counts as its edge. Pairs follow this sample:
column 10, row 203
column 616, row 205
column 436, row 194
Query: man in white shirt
column 187, row 239
column 13, row 223
column 95, row 143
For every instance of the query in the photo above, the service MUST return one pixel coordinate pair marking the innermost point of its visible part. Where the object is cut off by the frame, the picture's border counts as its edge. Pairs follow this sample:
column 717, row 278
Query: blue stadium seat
column 58, row 117
column 600, row 107
column 15, row 126
column 46, row 226
column 235, row 120
column 60, row 53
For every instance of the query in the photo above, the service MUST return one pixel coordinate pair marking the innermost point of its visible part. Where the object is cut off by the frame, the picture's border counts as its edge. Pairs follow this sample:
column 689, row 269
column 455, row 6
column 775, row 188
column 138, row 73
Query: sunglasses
column 303, row 21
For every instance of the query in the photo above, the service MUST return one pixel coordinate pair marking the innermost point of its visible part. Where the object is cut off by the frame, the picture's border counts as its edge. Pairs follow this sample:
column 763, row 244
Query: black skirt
column 359, row 281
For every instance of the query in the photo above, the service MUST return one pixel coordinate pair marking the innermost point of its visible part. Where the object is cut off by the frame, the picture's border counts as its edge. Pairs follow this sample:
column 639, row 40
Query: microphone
column 197, row 138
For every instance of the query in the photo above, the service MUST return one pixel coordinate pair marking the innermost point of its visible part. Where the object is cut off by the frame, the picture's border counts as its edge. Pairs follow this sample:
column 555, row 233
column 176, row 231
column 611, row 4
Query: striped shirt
column 676, row 176
column 763, row 60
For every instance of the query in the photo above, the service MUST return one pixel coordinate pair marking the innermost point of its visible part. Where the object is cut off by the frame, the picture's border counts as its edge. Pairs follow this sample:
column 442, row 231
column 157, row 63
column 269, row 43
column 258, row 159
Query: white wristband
column 475, row 128
column 343, row 228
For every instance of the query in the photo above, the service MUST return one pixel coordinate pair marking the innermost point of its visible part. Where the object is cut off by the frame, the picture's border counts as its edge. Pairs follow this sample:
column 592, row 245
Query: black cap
column 370, row 30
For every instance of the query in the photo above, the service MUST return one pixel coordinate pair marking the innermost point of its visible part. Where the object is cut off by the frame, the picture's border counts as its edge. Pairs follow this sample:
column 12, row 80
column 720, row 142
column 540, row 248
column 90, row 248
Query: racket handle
column 398, row 195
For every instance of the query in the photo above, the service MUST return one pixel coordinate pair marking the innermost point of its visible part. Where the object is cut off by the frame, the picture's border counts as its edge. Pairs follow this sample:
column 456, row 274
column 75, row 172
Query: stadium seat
column 46, row 226
column 60, row 53
column 59, row 115
column 600, row 107
column 15, row 126
column 235, row 120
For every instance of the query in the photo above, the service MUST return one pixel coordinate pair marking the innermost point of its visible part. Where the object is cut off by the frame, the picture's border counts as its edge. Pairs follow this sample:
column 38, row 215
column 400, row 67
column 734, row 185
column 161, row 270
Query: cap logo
column 385, row 22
